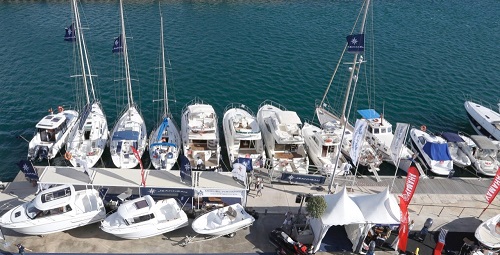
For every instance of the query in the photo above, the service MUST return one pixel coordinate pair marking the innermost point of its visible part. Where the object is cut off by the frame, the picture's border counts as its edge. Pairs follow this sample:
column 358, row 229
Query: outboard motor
column 40, row 153
column 420, row 236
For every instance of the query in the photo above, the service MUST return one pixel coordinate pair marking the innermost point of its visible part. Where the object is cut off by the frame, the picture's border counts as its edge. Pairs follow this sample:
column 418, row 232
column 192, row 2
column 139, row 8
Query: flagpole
column 483, row 211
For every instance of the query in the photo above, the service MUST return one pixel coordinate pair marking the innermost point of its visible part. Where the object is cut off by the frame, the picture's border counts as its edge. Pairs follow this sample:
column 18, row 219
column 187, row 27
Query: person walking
column 257, row 183
column 22, row 249
column 259, row 189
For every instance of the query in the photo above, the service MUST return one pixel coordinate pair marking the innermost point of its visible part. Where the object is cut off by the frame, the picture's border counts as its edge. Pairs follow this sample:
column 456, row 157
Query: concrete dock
column 454, row 203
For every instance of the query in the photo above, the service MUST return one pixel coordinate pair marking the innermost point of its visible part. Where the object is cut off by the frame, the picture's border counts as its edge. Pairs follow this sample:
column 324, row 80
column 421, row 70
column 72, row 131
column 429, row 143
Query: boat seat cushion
column 231, row 213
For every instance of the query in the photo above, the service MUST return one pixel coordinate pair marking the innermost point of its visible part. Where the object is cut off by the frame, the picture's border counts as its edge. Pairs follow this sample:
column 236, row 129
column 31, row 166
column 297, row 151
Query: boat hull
column 218, row 223
column 483, row 120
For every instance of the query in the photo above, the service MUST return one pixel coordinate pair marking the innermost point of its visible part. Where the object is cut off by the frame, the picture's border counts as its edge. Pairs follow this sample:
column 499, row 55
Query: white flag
column 398, row 140
column 357, row 140
column 240, row 172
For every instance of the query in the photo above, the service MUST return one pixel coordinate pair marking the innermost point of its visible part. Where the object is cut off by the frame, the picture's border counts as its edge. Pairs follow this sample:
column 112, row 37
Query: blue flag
column 28, row 169
column 247, row 162
column 70, row 34
column 185, row 169
column 356, row 43
column 117, row 45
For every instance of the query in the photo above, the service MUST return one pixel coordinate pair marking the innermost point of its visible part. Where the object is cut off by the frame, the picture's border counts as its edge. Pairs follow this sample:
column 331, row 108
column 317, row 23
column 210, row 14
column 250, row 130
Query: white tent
column 355, row 212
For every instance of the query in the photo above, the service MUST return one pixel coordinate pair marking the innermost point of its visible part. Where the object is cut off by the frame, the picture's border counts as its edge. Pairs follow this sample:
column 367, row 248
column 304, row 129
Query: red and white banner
column 411, row 184
column 136, row 154
column 440, row 244
column 494, row 188
column 403, row 227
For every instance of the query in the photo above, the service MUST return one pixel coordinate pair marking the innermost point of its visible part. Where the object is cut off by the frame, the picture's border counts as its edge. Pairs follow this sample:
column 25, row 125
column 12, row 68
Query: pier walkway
column 454, row 203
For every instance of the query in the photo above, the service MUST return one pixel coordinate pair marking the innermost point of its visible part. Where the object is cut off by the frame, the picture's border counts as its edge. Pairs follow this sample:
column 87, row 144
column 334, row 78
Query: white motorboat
column 455, row 145
column 368, row 156
column 200, row 135
column 284, row 143
column 380, row 135
column 433, row 150
column 488, row 233
column 323, row 145
column 51, row 134
column 164, row 141
column 484, row 120
column 54, row 210
column 89, row 137
column 483, row 154
column 223, row 221
column 243, row 135
column 143, row 217
column 130, row 130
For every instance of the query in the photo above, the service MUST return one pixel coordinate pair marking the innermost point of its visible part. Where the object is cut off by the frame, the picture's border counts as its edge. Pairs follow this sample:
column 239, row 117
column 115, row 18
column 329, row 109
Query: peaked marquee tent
column 357, row 213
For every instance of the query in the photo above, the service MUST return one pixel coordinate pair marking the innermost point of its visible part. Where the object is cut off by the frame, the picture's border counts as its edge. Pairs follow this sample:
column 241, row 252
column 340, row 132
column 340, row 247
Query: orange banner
column 136, row 154
column 494, row 188
column 411, row 184
column 403, row 227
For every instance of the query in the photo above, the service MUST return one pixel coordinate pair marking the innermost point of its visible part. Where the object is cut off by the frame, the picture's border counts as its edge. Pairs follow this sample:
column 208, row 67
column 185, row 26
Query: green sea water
column 429, row 57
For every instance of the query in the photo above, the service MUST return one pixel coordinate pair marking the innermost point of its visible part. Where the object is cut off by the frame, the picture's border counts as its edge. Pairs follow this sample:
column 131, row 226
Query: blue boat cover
column 452, row 137
column 162, row 127
column 369, row 114
column 126, row 135
column 162, row 144
column 437, row 151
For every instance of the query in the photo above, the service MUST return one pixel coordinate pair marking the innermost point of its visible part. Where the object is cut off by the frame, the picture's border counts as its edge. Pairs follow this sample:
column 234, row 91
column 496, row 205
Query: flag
column 440, row 244
column 494, row 188
column 136, row 154
column 403, row 227
column 357, row 140
column 239, row 172
column 27, row 168
column 411, row 184
column 185, row 169
column 117, row 45
column 247, row 162
column 398, row 140
column 356, row 43
column 70, row 34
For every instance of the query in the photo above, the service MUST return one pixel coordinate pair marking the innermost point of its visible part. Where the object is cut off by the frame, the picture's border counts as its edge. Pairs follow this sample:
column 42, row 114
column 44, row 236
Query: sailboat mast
column 353, row 68
column 78, row 36
column 130, row 99
column 165, row 103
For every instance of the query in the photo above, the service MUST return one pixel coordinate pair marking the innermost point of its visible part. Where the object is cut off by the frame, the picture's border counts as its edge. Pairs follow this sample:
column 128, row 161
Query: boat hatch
column 56, row 195
column 141, row 204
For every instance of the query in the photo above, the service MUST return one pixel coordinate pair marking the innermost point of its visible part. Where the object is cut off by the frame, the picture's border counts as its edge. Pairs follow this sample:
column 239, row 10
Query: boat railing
column 272, row 103
column 195, row 100
column 239, row 105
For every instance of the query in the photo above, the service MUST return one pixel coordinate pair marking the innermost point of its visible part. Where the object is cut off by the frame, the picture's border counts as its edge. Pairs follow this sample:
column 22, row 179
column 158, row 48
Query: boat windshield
column 486, row 153
column 31, row 210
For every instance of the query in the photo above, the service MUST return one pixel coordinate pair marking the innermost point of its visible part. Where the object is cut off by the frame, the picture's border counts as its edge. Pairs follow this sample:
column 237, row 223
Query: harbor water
column 429, row 57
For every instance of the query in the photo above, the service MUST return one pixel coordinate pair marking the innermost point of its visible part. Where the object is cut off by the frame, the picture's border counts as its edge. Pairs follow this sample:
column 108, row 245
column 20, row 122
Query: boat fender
column 68, row 155
column 375, row 120
column 423, row 128
column 328, row 140
column 283, row 163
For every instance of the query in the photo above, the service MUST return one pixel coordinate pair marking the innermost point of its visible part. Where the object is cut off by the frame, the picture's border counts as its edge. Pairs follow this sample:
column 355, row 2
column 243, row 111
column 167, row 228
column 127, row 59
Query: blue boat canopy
column 437, row 151
column 369, row 114
column 452, row 137
column 162, row 127
column 162, row 144
column 126, row 135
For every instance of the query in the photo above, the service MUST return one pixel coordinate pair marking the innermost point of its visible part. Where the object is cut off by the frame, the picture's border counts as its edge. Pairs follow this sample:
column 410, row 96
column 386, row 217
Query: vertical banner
column 411, row 184
column 403, row 227
column 27, row 168
column 398, row 141
column 494, row 188
column 136, row 154
column 357, row 140
column 185, row 166
column 440, row 244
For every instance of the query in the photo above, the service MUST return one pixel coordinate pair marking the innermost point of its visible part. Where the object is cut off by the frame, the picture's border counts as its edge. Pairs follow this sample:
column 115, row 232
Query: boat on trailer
column 144, row 217
column 223, row 221
column 55, row 210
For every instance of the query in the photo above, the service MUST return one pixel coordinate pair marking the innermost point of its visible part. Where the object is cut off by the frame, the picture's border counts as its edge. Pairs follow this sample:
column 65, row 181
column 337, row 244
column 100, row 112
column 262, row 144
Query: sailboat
column 326, row 115
column 165, row 139
column 89, row 136
column 129, row 133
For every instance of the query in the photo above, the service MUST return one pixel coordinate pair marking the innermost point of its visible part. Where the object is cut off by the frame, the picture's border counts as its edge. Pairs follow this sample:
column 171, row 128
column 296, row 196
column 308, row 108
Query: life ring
column 423, row 128
column 60, row 108
column 68, row 155
column 375, row 120
column 328, row 140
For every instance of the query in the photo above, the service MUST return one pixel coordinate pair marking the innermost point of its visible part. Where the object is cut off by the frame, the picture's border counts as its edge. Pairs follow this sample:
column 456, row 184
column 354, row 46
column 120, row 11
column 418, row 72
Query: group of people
column 258, row 186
